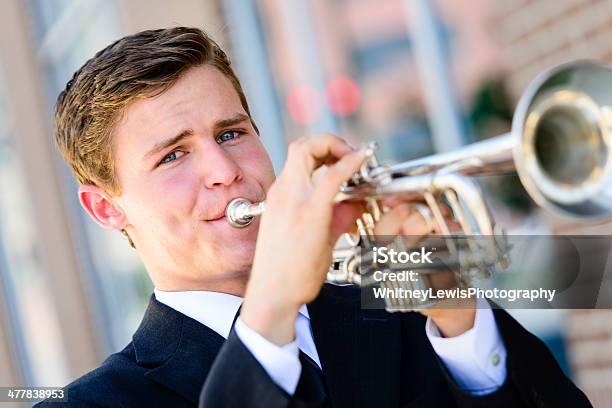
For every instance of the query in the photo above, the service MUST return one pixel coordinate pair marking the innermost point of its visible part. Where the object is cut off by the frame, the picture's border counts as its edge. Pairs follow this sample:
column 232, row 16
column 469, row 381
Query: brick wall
column 535, row 35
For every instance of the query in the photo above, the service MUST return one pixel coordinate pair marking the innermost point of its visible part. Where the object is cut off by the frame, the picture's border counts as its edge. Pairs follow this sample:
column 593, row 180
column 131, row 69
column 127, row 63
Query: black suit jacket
column 369, row 359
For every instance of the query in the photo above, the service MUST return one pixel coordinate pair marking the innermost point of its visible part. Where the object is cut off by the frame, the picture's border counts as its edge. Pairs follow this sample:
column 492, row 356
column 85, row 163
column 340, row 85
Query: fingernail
column 364, row 151
column 351, row 145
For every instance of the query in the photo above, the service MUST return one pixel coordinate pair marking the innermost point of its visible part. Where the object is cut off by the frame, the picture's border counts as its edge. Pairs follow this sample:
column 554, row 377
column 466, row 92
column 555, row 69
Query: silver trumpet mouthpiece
column 240, row 212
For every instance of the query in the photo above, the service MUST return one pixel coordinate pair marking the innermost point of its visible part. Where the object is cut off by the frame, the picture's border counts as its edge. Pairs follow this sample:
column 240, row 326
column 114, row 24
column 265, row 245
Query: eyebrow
column 220, row 124
column 167, row 143
column 232, row 121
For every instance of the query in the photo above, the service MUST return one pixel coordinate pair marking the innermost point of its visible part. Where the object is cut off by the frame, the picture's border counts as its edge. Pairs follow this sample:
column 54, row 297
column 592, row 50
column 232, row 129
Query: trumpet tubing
column 559, row 146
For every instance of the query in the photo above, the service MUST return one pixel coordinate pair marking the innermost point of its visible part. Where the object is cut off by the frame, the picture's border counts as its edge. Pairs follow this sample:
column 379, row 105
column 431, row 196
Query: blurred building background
column 417, row 76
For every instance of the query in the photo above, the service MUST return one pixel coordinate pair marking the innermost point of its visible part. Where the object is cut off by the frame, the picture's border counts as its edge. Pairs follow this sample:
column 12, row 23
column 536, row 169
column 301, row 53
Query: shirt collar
column 215, row 310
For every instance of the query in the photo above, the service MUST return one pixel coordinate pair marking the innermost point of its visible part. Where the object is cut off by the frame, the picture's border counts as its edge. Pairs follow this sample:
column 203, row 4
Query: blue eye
column 227, row 136
column 170, row 157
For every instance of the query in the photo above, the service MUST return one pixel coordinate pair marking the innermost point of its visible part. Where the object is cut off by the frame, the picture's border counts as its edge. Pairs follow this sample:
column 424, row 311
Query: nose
column 221, row 168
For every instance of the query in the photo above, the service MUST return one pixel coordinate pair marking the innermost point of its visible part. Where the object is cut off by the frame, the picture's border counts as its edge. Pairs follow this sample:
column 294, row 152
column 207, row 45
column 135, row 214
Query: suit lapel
column 178, row 350
column 359, row 350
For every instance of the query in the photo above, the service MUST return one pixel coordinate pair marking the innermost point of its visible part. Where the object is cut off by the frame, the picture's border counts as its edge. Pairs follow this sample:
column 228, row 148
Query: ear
column 101, row 207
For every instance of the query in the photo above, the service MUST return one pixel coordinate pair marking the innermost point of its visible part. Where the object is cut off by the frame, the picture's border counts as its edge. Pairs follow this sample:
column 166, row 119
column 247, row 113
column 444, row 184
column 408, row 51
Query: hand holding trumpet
column 298, row 232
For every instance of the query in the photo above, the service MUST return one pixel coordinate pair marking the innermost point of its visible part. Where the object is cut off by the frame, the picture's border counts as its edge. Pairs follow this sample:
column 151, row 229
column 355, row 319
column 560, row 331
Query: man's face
column 180, row 157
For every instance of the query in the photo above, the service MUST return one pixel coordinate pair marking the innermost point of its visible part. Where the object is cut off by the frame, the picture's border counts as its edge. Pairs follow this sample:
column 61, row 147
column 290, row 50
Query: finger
column 391, row 222
column 312, row 153
column 396, row 200
column 453, row 226
column 403, row 219
column 338, row 173
column 445, row 210
column 415, row 224
column 328, row 146
column 343, row 218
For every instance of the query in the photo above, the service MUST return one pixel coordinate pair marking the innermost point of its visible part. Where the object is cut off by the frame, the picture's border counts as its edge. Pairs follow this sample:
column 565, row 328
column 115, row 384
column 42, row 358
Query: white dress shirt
column 476, row 359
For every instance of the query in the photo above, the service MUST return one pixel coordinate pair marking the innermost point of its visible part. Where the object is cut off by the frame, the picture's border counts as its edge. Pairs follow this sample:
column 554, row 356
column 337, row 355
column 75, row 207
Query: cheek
column 167, row 197
column 256, row 164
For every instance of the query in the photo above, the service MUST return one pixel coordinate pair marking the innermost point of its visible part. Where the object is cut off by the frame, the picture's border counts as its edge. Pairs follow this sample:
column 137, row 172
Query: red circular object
column 343, row 95
column 304, row 104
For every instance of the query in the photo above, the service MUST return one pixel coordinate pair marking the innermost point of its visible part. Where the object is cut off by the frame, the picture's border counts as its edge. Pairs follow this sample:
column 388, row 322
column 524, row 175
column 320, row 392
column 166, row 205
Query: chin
column 234, row 248
column 237, row 255
column 244, row 255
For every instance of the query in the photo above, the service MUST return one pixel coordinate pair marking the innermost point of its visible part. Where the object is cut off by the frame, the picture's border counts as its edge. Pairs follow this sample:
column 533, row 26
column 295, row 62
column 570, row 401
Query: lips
column 217, row 218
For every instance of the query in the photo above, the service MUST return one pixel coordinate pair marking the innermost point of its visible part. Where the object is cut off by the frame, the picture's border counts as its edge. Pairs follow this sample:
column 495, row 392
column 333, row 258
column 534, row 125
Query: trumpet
column 558, row 145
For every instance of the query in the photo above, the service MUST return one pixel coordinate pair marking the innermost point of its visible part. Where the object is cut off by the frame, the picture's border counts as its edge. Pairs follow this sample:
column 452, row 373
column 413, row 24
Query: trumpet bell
column 563, row 156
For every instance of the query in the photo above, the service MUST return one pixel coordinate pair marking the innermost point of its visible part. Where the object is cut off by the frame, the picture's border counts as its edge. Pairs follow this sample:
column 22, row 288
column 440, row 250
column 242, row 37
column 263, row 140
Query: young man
column 158, row 132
